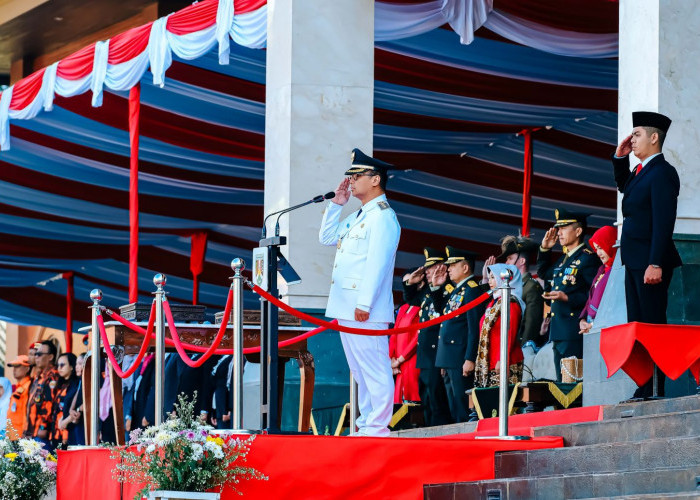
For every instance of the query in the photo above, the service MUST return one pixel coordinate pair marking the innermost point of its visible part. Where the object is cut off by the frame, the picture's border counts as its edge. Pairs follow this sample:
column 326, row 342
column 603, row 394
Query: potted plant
column 27, row 470
column 182, row 458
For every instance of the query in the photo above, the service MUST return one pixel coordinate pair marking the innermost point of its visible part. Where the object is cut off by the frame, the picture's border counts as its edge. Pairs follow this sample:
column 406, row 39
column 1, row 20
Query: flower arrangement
column 182, row 454
column 27, row 470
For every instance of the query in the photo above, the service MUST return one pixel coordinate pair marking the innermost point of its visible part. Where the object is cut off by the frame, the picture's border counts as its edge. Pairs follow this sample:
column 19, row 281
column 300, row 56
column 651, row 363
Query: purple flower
column 190, row 435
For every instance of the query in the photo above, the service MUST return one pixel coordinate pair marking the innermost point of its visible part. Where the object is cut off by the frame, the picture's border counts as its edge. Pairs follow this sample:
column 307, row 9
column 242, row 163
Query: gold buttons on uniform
column 362, row 225
column 452, row 341
column 571, row 314
column 556, row 288
column 353, row 285
column 433, row 346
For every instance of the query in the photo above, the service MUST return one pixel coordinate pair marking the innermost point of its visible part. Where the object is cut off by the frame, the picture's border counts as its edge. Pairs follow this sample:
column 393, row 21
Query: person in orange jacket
column 17, row 413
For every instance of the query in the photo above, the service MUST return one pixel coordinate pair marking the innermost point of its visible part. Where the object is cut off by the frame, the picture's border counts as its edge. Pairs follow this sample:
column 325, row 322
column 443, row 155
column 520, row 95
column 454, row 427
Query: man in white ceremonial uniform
column 361, row 284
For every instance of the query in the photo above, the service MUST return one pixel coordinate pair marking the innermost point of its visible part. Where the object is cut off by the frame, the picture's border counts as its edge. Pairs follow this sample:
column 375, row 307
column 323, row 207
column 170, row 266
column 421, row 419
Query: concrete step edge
column 578, row 474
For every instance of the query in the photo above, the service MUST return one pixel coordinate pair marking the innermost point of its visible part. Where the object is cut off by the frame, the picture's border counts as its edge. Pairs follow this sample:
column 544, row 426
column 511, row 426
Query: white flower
column 197, row 451
column 150, row 448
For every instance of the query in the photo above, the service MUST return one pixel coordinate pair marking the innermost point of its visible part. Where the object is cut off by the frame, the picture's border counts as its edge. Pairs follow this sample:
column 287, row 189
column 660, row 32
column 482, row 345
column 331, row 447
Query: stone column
column 319, row 106
column 659, row 42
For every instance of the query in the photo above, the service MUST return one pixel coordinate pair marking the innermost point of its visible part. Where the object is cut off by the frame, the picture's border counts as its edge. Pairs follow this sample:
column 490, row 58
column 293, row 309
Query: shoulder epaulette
column 472, row 284
column 383, row 205
column 449, row 288
column 589, row 252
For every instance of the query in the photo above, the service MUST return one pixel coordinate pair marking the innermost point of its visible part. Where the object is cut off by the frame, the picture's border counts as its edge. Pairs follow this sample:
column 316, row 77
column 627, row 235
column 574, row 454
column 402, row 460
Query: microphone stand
column 270, row 416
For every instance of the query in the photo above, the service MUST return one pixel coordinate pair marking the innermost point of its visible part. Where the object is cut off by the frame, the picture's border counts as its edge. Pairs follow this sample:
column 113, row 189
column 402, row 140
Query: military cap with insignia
column 363, row 163
column 457, row 255
column 432, row 257
column 516, row 244
column 565, row 217
column 651, row 119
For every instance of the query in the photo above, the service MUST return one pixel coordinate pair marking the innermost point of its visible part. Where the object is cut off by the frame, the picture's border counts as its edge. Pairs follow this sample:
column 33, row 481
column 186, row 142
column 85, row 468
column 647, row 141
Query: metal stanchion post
column 238, row 265
column 353, row 405
column 159, row 281
column 96, row 297
column 506, row 277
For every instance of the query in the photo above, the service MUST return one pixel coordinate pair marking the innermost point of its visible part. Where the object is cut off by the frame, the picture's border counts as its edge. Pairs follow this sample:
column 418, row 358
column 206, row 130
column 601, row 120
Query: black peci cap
column 651, row 119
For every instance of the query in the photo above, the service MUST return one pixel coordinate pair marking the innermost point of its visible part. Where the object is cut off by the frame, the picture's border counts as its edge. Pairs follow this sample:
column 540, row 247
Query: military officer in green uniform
column 419, row 290
column 567, row 281
column 458, row 341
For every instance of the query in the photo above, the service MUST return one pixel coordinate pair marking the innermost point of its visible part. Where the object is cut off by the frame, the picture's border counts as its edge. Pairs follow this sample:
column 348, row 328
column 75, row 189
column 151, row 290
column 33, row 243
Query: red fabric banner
column 26, row 90
column 636, row 347
column 301, row 467
column 198, row 251
column 527, row 182
column 86, row 475
column 70, row 298
column 134, row 114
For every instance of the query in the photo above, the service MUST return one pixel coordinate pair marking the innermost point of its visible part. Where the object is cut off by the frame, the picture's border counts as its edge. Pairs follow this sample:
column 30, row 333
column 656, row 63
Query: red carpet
column 328, row 467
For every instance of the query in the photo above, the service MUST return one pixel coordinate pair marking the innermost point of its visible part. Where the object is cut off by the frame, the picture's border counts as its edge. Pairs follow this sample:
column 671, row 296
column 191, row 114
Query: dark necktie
column 358, row 213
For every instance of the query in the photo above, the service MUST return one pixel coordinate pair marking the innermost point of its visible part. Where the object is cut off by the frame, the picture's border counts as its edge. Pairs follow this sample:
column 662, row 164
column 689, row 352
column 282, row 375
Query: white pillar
column 319, row 106
column 659, row 50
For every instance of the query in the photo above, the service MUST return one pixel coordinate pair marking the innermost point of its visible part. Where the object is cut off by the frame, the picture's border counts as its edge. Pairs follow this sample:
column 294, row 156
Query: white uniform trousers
column 370, row 365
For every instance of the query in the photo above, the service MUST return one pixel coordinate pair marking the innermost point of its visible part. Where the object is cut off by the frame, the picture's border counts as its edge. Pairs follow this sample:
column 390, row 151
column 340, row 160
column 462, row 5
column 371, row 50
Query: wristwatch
column 655, row 266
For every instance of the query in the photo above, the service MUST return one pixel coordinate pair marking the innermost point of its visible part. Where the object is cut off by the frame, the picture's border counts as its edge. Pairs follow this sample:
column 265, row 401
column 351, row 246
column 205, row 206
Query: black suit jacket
column 459, row 337
column 426, row 349
column 649, row 205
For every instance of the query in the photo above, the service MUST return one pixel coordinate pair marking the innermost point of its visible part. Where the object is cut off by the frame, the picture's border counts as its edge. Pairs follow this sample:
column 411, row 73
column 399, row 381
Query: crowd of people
column 445, row 360
column 439, row 364
column 46, row 403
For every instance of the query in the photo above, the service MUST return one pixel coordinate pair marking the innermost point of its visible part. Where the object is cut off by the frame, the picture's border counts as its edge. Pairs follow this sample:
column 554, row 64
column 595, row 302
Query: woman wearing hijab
column 5, row 395
column 602, row 242
column 488, row 360
column 66, row 389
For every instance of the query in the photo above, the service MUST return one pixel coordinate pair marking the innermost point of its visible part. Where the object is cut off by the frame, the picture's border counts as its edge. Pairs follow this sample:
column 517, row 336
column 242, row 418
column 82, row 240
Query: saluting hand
column 484, row 272
column 416, row 276
column 625, row 147
column 342, row 195
column 550, row 238
column 440, row 276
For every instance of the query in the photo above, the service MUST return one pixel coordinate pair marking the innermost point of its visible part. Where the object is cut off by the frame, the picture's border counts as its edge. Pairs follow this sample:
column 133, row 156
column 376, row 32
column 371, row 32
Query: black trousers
column 456, row 386
column 647, row 304
column 433, row 397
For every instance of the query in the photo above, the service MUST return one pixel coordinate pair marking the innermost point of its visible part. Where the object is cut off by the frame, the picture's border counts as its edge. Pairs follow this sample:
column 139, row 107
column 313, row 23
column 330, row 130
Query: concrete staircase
column 639, row 450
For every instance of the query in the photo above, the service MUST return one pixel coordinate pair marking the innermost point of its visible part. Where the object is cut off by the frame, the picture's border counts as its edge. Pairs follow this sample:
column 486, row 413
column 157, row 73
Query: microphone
column 279, row 213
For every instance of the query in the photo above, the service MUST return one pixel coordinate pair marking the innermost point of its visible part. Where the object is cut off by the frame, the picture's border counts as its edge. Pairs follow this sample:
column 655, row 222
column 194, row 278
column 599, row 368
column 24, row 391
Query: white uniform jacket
column 363, row 271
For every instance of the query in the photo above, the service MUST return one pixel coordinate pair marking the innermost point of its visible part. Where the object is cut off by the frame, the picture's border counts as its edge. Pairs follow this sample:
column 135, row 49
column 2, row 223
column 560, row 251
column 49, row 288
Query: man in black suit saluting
column 649, row 202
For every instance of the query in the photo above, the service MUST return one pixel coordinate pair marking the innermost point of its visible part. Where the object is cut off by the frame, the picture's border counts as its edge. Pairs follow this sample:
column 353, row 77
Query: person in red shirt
column 488, row 360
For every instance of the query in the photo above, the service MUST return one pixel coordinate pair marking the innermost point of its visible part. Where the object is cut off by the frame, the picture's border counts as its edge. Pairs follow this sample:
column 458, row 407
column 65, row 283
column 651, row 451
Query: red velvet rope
column 218, row 352
column 142, row 350
column 362, row 331
column 215, row 343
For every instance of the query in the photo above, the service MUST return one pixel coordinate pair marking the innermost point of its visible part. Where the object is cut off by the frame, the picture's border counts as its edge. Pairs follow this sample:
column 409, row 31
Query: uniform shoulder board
column 472, row 284
column 449, row 288
column 589, row 252
column 383, row 205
